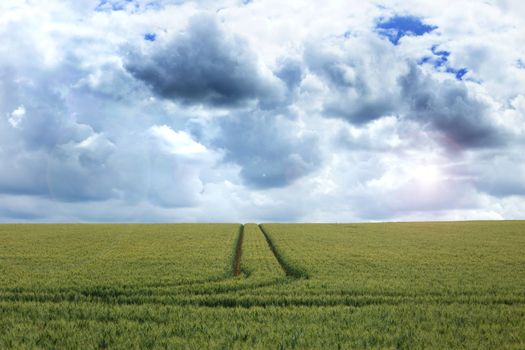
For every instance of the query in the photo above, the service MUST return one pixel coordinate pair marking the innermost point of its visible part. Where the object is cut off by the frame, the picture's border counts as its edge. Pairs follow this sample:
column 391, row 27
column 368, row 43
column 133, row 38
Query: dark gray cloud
column 449, row 108
column 363, row 90
column 204, row 65
column 268, row 148
column 360, row 113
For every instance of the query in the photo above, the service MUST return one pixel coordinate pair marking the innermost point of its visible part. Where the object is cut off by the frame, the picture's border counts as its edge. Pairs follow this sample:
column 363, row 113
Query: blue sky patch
column 394, row 28
column 437, row 52
column 459, row 73
column 425, row 59
column 112, row 5
column 150, row 36
column 127, row 5
column 440, row 57
column 439, row 60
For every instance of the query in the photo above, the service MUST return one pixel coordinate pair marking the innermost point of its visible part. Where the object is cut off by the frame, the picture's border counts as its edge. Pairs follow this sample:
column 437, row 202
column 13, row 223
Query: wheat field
column 284, row 286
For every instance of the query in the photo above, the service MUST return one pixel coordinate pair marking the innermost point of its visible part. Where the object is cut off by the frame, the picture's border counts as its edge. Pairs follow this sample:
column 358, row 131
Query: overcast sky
column 151, row 110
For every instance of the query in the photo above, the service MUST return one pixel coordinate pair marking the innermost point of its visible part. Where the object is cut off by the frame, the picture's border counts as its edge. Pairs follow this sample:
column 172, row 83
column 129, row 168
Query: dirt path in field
column 238, row 252
column 289, row 269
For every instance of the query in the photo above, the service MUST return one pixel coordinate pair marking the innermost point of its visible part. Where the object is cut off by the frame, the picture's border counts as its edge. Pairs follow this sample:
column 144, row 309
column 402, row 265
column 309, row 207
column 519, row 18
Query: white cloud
column 176, row 142
column 17, row 116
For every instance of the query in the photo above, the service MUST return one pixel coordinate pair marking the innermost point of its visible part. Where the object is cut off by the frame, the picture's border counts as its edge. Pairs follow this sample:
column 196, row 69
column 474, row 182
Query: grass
column 395, row 285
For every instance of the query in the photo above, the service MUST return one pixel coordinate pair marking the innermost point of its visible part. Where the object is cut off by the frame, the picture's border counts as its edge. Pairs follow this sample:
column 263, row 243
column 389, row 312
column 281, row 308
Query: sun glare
column 427, row 175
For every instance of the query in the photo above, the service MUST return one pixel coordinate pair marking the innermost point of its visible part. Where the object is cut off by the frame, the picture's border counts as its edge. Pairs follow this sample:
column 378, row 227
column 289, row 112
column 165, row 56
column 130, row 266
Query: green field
column 275, row 286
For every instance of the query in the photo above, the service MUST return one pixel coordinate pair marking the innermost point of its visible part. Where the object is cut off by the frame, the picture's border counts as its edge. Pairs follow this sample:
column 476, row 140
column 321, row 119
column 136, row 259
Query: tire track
column 289, row 269
column 236, row 264
column 260, row 299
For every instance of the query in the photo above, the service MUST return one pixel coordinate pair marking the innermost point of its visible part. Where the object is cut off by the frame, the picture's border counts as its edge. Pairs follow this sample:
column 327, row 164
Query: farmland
column 223, row 286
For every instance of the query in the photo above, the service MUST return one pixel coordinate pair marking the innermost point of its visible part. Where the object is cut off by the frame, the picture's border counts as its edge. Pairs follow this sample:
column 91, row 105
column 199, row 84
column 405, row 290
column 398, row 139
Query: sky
column 262, row 110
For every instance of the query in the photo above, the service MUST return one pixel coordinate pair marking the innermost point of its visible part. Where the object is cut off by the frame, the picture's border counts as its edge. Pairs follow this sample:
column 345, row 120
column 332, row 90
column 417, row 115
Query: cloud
column 360, row 75
column 269, row 148
column 204, row 65
column 366, row 80
column 500, row 175
column 449, row 108
column 176, row 142
column 75, row 131
column 16, row 117
column 291, row 71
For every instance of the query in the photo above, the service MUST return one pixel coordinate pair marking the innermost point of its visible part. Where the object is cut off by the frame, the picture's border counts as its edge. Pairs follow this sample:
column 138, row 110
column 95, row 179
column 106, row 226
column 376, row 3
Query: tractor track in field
column 259, row 299
column 236, row 268
column 289, row 269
